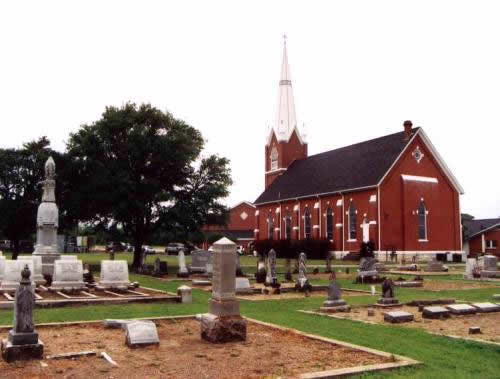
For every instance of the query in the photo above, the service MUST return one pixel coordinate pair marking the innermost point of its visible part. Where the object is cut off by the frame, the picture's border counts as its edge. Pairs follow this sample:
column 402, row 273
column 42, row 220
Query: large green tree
column 136, row 169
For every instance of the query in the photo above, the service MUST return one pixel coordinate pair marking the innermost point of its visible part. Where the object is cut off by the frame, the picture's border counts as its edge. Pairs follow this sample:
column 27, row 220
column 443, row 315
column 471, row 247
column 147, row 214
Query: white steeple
column 286, row 120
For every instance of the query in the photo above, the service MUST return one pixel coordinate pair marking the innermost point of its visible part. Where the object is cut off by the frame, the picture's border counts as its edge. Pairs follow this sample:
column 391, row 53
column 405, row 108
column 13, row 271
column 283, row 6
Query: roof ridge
column 362, row 142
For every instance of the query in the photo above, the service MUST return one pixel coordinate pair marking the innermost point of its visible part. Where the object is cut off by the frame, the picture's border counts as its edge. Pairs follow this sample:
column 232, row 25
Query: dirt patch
column 439, row 285
column 455, row 325
column 182, row 354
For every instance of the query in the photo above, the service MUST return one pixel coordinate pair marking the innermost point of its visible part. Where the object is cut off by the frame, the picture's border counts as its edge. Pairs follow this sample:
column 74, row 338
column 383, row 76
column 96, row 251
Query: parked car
column 148, row 250
column 116, row 246
column 174, row 248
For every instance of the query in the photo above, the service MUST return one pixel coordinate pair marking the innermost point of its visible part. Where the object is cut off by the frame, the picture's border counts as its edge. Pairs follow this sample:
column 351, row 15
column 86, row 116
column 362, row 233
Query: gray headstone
column 486, row 307
column 23, row 332
column 12, row 274
column 182, row 263
column 490, row 263
column 143, row 333
column 243, row 286
column 435, row 266
column 114, row 274
column 398, row 316
column 461, row 309
column 367, row 264
column 271, row 270
column 68, row 275
column 199, row 260
column 334, row 291
column 302, row 266
column 470, row 265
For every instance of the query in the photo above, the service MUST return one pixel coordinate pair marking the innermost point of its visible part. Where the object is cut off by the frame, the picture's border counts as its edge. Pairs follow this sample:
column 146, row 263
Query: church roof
column 348, row 168
column 474, row 227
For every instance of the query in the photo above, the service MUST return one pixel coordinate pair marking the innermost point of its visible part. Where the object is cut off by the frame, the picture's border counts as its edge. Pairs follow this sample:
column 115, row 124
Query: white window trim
column 350, row 240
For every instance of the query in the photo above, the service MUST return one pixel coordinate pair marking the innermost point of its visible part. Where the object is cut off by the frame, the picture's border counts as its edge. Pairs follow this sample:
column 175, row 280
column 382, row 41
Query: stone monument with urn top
column 223, row 323
column 47, row 221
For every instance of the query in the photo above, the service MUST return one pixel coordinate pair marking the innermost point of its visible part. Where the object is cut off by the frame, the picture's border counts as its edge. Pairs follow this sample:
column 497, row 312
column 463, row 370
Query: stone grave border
column 55, row 303
column 402, row 361
column 333, row 315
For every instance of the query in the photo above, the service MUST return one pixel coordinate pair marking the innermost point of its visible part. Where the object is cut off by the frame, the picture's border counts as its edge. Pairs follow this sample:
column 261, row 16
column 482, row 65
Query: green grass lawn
column 442, row 357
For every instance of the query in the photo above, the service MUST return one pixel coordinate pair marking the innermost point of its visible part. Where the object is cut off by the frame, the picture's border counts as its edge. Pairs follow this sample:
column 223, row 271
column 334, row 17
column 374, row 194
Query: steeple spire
column 286, row 120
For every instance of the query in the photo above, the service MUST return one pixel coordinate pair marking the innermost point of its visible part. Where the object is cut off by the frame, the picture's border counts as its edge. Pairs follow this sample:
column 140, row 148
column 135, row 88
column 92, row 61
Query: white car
column 148, row 249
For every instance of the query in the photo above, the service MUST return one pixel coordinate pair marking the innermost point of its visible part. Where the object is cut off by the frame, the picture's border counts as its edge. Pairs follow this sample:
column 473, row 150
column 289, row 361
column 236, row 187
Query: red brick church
column 395, row 190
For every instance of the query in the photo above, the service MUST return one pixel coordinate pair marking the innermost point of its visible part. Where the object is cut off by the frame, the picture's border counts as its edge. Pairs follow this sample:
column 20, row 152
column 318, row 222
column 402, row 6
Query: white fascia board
column 414, row 178
column 441, row 162
column 243, row 202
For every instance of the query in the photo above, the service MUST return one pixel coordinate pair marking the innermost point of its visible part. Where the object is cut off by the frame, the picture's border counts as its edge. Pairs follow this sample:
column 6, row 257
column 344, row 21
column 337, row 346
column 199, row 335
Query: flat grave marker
column 398, row 317
column 141, row 333
column 461, row 309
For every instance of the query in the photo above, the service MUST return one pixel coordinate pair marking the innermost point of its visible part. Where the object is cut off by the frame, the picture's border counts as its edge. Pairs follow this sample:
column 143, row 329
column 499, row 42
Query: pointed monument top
column 224, row 242
column 50, row 168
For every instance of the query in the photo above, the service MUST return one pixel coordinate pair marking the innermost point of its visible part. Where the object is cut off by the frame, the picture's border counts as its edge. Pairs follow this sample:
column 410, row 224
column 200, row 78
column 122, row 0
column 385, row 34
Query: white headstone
column 469, row 267
column 186, row 294
column 68, row 275
column 182, row 262
column 114, row 274
column 243, row 286
column 12, row 274
column 141, row 333
column 37, row 275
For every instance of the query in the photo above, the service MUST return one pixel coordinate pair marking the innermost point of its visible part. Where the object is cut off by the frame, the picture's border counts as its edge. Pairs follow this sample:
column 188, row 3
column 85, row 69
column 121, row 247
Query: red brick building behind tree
column 395, row 191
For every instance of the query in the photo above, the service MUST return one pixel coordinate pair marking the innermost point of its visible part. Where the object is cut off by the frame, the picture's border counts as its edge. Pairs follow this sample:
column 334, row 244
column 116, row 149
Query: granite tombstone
column 68, row 276
column 114, row 275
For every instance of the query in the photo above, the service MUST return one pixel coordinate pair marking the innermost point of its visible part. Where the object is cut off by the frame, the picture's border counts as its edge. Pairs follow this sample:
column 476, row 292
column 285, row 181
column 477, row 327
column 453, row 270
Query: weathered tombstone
column 367, row 270
column 435, row 266
column 37, row 276
column 302, row 283
column 160, row 268
column 223, row 323
column 186, row 294
column 398, row 317
column 68, row 276
column 183, row 271
column 239, row 272
column 388, row 298
column 23, row 342
column 490, row 268
column 470, row 265
column 114, row 275
column 243, row 287
column 334, row 303
column 435, row 312
column 199, row 260
column 12, row 274
column 141, row 333
column 461, row 309
column 47, row 221
column 271, row 278
column 261, row 274
column 329, row 258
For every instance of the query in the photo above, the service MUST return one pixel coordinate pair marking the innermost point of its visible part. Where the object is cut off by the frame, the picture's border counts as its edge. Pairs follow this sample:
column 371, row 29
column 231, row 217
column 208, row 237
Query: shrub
column 290, row 249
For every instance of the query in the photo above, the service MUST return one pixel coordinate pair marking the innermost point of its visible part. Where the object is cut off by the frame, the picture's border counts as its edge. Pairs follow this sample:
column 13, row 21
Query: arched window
column 329, row 223
column 307, row 223
column 422, row 221
column 274, row 158
column 270, row 226
column 288, row 226
column 352, row 221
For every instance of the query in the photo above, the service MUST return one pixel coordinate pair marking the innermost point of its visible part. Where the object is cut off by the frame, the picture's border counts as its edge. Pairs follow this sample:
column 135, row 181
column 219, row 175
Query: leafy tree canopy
column 136, row 167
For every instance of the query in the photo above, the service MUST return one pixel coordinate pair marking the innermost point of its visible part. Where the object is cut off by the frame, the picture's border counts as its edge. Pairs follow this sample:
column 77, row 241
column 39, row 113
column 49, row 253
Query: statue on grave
column 24, row 304
column 272, row 278
column 302, row 283
column 388, row 289
column 334, row 302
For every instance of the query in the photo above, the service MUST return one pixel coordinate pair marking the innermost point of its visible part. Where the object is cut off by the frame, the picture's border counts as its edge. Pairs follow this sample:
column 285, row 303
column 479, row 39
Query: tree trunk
column 137, row 254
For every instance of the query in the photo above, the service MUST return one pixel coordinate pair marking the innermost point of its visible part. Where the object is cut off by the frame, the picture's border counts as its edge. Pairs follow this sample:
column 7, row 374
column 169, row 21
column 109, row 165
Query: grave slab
column 435, row 312
column 114, row 274
column 398, row 317
column 68, row 275
column 486, row 307
column 243, row 286
column 461, row 309
column 141, row 333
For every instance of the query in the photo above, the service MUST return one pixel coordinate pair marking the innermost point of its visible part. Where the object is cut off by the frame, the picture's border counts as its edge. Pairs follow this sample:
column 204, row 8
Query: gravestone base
column 70, row 287
column 183, row 274
column 223, row 329
column 224, row 308
column 435, row 312
column 22, row 338
column 332, row 306
column 461, row 309
column 398, row 316
column 11, row 352
column 48, row 262
column 486, row 307
column 387, row 301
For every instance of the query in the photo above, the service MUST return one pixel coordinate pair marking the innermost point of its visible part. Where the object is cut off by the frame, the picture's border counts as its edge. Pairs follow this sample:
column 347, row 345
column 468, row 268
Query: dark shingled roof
column 475, row 226
column 350, row 167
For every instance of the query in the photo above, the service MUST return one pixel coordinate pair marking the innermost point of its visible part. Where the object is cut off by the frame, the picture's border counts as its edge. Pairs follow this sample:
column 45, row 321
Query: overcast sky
column 359, row 69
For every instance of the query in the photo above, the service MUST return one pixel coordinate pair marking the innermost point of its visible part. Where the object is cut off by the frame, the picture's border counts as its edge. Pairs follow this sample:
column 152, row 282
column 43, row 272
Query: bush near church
column 290, row 249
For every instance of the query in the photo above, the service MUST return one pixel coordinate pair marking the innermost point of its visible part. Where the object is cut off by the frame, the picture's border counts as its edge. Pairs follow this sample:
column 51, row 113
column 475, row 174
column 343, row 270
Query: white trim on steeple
column 286, row 120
